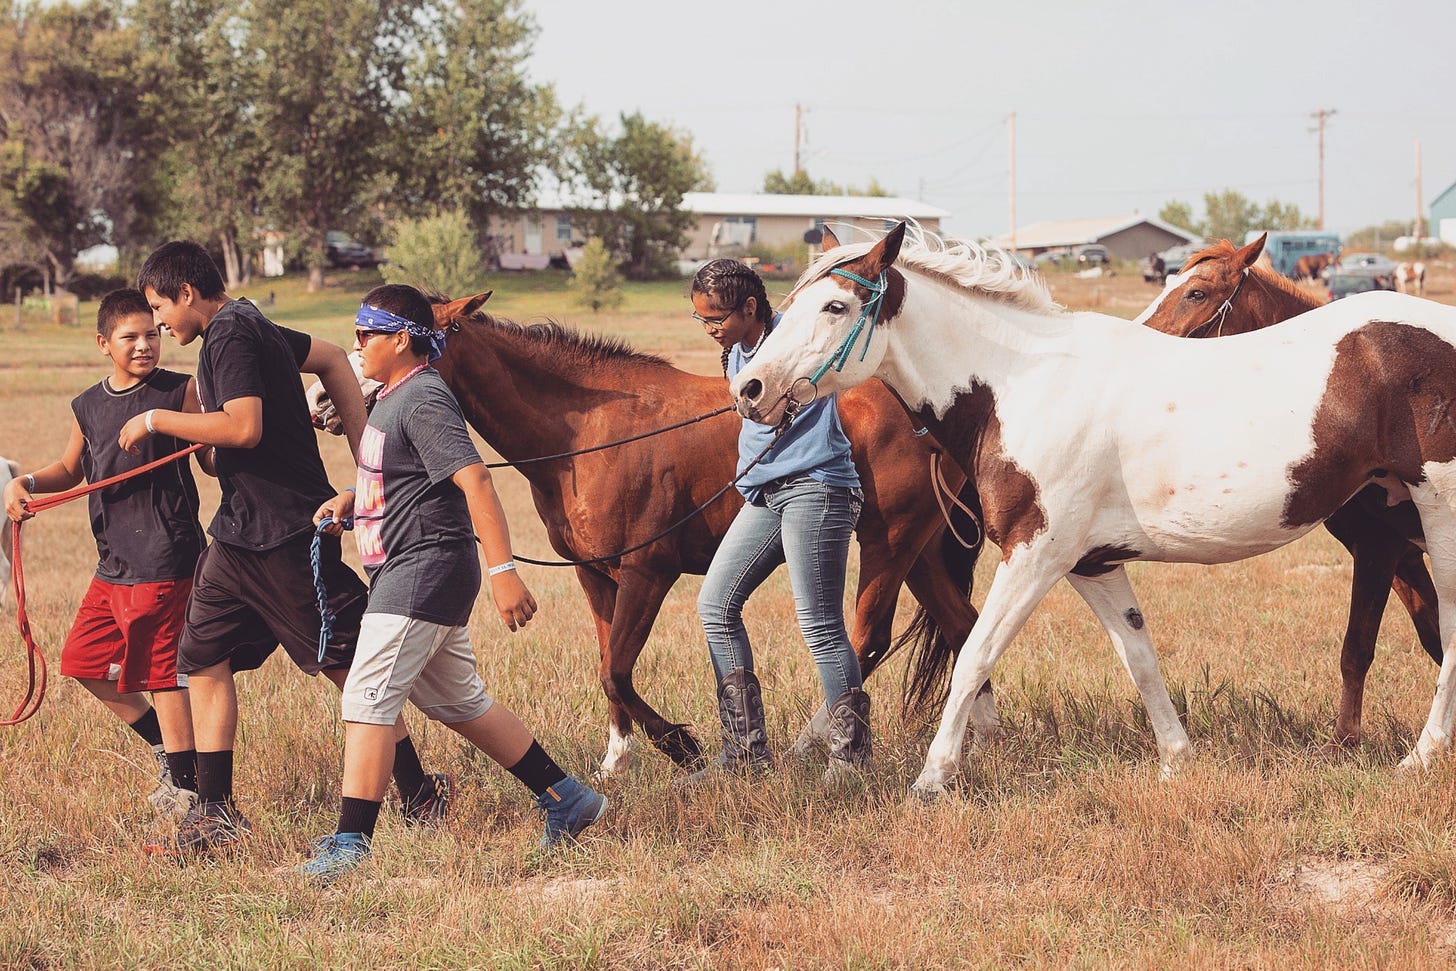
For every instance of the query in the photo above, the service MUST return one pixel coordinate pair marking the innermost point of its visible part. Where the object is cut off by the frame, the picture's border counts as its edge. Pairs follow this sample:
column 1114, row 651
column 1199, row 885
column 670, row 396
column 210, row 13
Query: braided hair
column 729, row 284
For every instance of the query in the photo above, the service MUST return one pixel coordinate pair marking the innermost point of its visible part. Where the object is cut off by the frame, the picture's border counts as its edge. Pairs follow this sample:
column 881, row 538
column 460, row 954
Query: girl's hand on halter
column 512, row 599
column 339, row 508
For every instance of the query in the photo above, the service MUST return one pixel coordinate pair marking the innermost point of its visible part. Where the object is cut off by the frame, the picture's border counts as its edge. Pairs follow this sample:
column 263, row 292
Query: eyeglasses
column 361, row 337
column 713, row 323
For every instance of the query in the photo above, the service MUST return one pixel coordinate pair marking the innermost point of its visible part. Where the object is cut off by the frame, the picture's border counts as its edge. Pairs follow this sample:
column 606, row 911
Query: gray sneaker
column 170, row 801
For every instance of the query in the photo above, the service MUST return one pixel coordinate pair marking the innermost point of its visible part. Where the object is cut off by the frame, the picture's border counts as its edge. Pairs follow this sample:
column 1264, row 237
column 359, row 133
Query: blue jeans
column 808, row 525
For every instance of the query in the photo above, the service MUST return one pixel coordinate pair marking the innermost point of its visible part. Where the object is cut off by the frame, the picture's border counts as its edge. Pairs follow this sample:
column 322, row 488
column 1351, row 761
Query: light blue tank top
column 814, row 445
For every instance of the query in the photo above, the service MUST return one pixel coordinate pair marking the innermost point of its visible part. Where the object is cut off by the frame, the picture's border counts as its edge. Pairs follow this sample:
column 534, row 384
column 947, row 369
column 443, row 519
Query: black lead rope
column 599, row 448
column 778, row 433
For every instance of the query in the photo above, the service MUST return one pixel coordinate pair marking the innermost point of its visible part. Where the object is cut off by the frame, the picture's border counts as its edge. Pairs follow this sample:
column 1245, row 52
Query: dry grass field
column 1061, row 848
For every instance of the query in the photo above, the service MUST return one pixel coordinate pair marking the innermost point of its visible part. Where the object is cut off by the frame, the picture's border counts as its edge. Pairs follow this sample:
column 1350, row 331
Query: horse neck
column 1268, row 298
column 978, row 340
column 513, row 391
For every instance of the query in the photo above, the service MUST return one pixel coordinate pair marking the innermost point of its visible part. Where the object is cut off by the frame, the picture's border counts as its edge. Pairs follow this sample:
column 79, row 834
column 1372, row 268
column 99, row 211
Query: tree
column 800, row 184
column 1378, row 237
column 80, row 135
column 628, row 189
column 474, row 131
column 1179, row 214
column 596, row 282
column 1282, row 215
column 438, row 253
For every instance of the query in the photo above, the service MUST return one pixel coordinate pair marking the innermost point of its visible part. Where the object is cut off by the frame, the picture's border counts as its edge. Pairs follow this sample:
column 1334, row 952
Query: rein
column 1221, row 314
column 778, row 433
column 621, row 441
column 841, row 354
column 35, row 688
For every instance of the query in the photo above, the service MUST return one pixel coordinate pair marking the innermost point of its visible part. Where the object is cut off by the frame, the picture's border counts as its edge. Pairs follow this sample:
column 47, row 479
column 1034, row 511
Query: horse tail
column 927, row 681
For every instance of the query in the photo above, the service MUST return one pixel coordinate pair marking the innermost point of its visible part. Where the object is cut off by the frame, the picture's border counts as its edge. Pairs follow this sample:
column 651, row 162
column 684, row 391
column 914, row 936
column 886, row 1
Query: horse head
column 448, row 314
column 825, row 338
column 1199, row 300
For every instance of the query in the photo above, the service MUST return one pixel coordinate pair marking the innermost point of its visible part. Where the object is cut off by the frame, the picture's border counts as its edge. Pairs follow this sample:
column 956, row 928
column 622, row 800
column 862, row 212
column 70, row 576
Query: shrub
column 438, row 252
column 596, row 283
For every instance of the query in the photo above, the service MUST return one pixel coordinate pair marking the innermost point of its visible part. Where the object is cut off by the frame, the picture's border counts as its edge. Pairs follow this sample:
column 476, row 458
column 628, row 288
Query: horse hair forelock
column 970, row 266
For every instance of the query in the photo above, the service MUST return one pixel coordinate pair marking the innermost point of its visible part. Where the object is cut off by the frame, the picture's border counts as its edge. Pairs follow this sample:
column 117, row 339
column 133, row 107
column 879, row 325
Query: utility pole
column 1420, row 207
column 1011, row 140
column 1319, row 116
column 798, row 128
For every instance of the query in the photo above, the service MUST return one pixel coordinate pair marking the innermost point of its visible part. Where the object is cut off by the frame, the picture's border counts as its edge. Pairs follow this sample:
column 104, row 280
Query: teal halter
column 876, row 301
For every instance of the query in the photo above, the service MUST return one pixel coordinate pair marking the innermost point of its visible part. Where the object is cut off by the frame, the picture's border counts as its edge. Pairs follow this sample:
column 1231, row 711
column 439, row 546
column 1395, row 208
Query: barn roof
column 1077, row 232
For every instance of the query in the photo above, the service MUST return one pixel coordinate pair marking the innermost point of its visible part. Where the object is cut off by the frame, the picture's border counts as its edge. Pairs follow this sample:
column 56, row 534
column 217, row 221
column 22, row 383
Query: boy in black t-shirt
column 124, row 639
column 423, row 497
column 254, row 587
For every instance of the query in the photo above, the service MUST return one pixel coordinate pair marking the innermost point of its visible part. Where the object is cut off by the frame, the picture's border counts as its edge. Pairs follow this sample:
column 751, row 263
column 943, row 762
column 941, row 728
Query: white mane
column 968, row 265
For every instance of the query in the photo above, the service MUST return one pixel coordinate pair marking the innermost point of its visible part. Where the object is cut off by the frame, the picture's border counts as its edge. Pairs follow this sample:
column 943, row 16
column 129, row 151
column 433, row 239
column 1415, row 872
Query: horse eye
column 1197, row 295
column 836, row 307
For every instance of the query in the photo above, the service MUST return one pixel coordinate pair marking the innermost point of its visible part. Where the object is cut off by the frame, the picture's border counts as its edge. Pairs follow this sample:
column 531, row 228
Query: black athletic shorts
column 245, row 603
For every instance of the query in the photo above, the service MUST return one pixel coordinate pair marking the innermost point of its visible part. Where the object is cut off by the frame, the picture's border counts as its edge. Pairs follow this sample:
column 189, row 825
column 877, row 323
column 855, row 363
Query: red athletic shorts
column 128, row 634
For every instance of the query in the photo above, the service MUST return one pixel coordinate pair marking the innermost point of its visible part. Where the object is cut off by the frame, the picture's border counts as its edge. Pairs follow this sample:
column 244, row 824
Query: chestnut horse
column 1150, row 453
column 1312, row 266
column 544, row 390
column 1223, row 291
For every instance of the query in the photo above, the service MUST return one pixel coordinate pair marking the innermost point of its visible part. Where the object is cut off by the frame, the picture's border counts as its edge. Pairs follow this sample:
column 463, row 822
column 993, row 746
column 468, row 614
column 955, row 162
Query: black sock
column 358, row 816
column 409, row 775
column 536, row 770
column 215, row 776
column 183, row 766
column 148, row 728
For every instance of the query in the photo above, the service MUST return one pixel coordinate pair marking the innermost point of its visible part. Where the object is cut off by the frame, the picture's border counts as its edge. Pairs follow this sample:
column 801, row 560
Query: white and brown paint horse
column 1411, row 278
column 1095, row 441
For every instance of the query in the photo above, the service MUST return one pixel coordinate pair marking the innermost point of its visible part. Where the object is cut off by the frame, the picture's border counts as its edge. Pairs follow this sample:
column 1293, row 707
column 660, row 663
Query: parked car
column 1091, row 255
column 1020, row 261
column 1369, row 262
column 1342, row 283
column 344, row 250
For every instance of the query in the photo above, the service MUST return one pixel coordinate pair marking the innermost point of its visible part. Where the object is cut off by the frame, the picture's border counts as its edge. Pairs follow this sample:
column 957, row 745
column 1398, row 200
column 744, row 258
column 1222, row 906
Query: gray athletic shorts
column 402, row 659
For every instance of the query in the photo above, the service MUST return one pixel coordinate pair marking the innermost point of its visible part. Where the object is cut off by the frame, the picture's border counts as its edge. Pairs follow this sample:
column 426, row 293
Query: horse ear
column 472, row 304
column 827, row 239
column 885, row 251
column 1251, row 252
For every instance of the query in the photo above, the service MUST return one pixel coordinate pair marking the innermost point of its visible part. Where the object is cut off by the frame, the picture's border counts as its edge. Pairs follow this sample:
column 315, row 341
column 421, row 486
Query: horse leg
column 1376, row 549
column 601, row 597
column 949, row 607
column 1112, row 599
column 641, row 588
column 1019, row 585
column 1438, row 522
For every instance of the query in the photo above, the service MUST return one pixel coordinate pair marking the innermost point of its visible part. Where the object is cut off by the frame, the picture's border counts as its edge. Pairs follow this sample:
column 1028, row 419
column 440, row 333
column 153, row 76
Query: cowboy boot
column 849, row 737
column 745, row 739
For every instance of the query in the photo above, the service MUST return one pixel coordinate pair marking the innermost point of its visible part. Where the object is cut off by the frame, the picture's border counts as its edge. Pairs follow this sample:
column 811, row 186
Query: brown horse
column 1311, row 267
column 1222, row 291
column 544, row 389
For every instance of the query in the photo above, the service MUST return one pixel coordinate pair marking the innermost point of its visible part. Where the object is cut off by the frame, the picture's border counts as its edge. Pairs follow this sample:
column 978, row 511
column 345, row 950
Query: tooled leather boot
column 745, row 738
column 849, row 737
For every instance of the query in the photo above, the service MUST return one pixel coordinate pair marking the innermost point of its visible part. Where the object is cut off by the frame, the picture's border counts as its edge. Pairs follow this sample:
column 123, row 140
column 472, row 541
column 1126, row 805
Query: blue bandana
column 372, row 318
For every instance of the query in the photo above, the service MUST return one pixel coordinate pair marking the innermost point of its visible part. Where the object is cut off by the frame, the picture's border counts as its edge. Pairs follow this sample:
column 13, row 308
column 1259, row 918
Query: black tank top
column 146, row 528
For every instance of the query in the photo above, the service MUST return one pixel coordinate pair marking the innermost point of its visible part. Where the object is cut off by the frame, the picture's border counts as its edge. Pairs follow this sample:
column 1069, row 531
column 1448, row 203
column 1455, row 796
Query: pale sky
column 1119, row 107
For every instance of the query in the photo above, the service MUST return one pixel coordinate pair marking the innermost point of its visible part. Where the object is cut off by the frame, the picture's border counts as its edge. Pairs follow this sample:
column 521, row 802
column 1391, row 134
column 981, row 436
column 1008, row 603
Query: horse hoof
column 927, row 793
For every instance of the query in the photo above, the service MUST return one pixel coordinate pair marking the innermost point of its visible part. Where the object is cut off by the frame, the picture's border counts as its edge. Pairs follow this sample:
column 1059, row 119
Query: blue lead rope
column 870, row 312
column 315, row 556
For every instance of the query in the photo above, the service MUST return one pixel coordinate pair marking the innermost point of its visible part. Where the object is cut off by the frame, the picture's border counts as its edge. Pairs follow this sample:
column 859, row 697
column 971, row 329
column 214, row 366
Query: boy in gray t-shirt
column 423, row 495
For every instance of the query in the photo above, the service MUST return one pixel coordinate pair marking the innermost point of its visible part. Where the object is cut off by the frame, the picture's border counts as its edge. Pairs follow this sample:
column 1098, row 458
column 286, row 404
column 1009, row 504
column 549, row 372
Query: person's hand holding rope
column 340, row 510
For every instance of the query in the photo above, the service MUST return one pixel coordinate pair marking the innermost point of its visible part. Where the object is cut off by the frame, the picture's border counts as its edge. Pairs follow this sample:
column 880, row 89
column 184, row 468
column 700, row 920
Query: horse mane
column 966, row 265
column 564, row 344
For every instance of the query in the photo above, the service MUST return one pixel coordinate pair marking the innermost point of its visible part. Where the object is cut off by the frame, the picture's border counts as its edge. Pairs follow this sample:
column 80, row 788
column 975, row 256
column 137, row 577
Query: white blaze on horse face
column 810, row 333
column 1173, row 282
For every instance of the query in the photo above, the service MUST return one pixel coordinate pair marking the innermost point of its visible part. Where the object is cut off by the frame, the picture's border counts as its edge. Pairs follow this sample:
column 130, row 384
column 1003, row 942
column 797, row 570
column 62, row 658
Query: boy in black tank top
column 254, row 586
column 124, row 639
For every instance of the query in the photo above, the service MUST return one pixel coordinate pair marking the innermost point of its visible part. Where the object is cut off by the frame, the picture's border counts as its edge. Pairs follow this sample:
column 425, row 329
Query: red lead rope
column 35, row 690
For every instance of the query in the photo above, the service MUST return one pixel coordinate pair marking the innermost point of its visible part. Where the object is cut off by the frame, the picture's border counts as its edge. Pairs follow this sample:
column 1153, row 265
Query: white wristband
column 505, row 567
column 150, row 429
column 31, row 479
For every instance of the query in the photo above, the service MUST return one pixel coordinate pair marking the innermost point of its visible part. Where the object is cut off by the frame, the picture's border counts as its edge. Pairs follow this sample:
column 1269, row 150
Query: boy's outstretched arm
column 331, row 365
column 238, row 425
column 62, row 474
column 512, row 599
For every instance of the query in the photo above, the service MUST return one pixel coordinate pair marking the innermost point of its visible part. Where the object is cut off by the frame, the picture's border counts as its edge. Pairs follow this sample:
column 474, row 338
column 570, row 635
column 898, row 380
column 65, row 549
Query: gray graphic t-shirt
column 411, row 521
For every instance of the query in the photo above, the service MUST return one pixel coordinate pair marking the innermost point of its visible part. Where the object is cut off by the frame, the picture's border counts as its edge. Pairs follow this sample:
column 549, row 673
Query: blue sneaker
column 570, row 807
column 335, row 856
